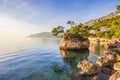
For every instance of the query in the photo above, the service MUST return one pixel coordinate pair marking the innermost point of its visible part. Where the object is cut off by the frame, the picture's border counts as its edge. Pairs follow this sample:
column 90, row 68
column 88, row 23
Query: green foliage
column 99, row 34
column 57, row 30
column 60, row 29
column 77, row 31
column 54, row 31
column 108, row 35
column 113, row 24
column 118, row 7
column 71, row 23
column 118, row 57
column 74, row 30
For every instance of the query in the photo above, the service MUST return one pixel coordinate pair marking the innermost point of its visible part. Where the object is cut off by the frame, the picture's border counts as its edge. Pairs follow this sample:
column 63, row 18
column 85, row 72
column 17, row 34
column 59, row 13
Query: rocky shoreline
column 107, row 63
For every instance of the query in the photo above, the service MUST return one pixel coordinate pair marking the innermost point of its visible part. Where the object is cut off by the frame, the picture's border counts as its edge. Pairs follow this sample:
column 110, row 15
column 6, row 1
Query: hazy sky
column 22, row 17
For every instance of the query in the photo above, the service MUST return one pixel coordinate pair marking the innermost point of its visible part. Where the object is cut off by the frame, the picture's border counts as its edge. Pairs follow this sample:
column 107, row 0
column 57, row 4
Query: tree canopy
column 57, row 30
column 71, row 23
column 118, row 7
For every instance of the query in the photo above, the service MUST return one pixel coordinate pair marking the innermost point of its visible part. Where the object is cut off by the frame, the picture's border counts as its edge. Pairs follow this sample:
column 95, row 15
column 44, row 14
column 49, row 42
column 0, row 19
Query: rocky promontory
column 74, row 44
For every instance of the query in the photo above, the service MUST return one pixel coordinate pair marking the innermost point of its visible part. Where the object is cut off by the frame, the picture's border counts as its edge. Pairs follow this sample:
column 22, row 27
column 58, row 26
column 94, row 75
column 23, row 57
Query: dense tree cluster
column 76, row 31
column 57, row 30
column 118, row 7
column 114, row 28
column 72, row 23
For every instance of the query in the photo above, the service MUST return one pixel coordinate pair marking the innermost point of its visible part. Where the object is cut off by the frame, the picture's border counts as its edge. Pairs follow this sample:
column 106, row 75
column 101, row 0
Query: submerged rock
column 74, row 44
column 115, row 76
column 87, row 68
column 107, row 70
column 76, row 76
column 60, row 69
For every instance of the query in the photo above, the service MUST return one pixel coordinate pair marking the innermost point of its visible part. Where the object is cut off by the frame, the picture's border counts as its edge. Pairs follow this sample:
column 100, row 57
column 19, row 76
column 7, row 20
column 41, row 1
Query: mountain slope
column 109, row 16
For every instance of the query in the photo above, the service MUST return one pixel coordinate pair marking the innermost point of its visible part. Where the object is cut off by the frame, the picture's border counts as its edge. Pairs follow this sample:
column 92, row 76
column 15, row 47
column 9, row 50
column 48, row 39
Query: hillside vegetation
column 113, row 26
column 104, row 27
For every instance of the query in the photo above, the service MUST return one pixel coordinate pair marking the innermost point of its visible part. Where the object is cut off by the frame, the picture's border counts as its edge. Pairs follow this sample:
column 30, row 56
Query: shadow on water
column 72, row 57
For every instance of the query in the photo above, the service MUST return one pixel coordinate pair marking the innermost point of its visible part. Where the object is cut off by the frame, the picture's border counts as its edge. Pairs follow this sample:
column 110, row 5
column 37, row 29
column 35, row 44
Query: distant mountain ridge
column 41, row 35
column 109, row 16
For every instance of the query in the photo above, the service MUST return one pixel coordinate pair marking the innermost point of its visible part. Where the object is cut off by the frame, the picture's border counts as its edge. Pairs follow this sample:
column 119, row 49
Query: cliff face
column 74, row 44
column 109, row 16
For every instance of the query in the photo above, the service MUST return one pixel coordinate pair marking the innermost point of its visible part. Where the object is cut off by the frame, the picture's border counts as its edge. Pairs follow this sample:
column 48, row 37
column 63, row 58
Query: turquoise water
column 41, row 59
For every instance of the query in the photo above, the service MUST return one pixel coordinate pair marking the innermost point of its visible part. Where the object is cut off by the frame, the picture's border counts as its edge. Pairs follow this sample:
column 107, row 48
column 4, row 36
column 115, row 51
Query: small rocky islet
column 74, row 43
column 108, row 63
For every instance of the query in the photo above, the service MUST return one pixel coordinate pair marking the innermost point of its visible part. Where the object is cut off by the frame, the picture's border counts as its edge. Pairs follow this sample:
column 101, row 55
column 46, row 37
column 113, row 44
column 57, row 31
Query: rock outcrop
column 108, row 59
column 114, row 45
column 115, row 76
column 74, row 44
column 87, row 68
column 117, row 66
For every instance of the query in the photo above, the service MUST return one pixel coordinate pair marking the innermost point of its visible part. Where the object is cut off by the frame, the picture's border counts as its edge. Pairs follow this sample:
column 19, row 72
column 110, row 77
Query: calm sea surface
column 41, row 59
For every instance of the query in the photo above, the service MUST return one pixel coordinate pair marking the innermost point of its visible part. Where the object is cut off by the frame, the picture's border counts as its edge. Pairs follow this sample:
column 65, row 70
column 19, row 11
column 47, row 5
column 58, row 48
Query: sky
column 24, row 17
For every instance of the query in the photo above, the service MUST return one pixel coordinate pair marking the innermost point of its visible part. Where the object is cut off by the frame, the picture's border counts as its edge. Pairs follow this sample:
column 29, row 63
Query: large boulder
column 114, row 45
column 117, row 66
column 74, row 44
column 87, row 68
column 108, row 59
column 115, row 76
